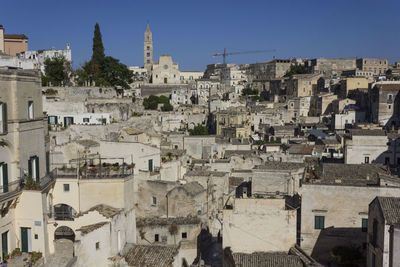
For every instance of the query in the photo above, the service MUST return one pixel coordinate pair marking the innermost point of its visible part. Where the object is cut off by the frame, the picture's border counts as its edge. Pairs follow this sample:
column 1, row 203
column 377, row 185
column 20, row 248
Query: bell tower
column 148, row 49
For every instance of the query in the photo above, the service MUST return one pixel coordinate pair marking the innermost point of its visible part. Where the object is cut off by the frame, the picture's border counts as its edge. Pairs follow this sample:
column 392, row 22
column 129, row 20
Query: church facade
column 165, row 71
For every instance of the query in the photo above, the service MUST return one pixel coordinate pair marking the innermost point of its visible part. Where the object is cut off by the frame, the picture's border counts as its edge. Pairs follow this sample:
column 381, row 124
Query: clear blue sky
column 191, row 31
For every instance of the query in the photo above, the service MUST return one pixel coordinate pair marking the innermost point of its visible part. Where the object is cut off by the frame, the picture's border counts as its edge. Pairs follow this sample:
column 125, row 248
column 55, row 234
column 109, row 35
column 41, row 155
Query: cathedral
column 165, row 71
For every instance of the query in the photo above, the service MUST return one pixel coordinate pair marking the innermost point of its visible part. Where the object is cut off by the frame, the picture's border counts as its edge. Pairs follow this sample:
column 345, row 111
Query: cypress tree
column 98, row 48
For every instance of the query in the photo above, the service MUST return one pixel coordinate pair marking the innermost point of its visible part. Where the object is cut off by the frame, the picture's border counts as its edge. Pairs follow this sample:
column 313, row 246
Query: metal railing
column 94, row 172
column 63, row 216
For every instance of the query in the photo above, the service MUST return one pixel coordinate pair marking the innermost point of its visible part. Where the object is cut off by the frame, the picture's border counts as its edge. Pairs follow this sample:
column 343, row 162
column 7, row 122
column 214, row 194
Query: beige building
column 302, row 85
column 384, row 232
column 322, row 104
column 12, row 44
column 148, row 49
column 349, row 84
column 187, row 77
column 385, row 106
column 245, row 229
column 329, row 67
column 165, row 71
column 367, row 146
column 265, row 71
column 377, row 65
column 231, row 118
column 24, row 163
column 334, row 207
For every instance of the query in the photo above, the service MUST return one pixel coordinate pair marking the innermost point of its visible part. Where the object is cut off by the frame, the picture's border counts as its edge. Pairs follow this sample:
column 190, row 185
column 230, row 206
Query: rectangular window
column 148, row 54
column 366, row 160
column 154, row 201
column 97, row 245
column 86, row 120
column 373, row 260
column 4, row 177
column 374, row 232
column 30, row 110
column 3, row 118
column 156, row 238
column 66, row 187
column 47, row 162
column 53, row 120
column 389, row 106
column 33, row 168
column 319, row 222
column 184, row 235
column 364, row 225
column 148, row 48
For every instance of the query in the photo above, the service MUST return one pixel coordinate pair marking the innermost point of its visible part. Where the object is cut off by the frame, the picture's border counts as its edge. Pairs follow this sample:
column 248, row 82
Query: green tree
column 116, row 73
column 104, row 71
column 98, row 55
column 150, row 102
column 81, row 76
column 163, row 99
column 198, row 130
column 167, row 107
column 249, row 91
column 56, row 71
column 295, row 69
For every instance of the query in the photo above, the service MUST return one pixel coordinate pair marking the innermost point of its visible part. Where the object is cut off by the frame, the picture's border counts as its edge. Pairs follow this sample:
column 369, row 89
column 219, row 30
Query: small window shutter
column 37, row 169
column 5, row 178
column 30, row 167
column 5, row 128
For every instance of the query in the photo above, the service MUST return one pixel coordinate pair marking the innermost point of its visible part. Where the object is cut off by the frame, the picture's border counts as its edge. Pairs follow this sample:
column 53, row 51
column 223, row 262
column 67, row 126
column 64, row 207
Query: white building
column 84, row 118
column 165, row 71
column 190, row 76
column 34, row 59
column 348, row 116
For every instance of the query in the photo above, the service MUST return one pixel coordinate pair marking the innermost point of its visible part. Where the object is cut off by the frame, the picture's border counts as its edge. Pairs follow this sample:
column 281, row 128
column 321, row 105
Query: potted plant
column 16, row 252
column 29, row 183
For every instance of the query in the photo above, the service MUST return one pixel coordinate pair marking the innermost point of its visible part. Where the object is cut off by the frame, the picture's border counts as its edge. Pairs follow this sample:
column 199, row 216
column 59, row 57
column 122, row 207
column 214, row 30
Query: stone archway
column 64, row 232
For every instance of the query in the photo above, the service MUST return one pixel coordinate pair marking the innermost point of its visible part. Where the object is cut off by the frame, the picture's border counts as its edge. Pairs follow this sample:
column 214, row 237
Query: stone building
column 298, row 107
column 231, row 117
column 329, row 67
column 187, row 77
column 265, row 71
column 148, row 49
column 352, row 83
column 187, row 199
column 245, row 230
column 167, row 231
column 383, row 227
column 322, row 104
column 24, row 163
column 385, row 103
column 165, row 71
column 302, row 85
column 334, row 207
column 368, row 146
column 277, row 178
column 377, row 65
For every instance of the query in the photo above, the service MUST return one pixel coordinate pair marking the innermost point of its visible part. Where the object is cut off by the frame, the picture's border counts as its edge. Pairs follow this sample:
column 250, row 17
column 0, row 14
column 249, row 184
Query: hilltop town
column 287, row 162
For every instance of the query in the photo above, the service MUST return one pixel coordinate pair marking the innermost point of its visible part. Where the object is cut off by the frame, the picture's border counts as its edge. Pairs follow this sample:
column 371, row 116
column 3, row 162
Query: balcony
column 98, row 171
